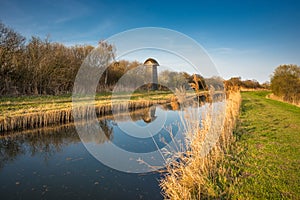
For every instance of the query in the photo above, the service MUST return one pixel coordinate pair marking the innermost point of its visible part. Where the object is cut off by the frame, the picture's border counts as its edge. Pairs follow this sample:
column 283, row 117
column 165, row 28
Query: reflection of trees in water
column 108, row 130
column 45, row 142
column 9, row 150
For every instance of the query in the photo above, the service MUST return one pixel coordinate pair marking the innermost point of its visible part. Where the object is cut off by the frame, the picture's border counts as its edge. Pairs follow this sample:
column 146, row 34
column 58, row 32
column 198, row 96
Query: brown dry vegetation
column 200, row 177
column 41, row 113
column 277, row 98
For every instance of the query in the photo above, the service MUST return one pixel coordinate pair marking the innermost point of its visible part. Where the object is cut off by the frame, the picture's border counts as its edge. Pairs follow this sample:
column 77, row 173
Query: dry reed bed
column 193, row 176
column 22, row 105
column 63, row 114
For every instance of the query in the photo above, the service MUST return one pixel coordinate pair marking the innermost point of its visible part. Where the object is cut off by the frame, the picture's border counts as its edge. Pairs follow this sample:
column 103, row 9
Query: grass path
column 269, row 133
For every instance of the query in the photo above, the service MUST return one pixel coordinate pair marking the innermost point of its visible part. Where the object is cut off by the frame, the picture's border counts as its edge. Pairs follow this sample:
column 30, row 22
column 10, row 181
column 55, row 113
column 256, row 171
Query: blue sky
column 244, row 38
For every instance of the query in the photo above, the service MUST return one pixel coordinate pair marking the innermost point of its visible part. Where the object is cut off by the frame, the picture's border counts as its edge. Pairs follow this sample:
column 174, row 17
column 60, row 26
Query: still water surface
column 54, row 164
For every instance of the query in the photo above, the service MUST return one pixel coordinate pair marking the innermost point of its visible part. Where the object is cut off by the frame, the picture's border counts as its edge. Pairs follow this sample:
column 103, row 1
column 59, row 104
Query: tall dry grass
column 43, row 118
column 194, row 175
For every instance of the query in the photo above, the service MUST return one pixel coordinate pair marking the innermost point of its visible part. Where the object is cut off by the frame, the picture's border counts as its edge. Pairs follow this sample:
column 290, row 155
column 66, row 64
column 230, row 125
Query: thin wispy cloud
column 62, row 20
column 49, row 17
column 221, row 50
column 70, row 43
column 70, row 11
column 90, row 36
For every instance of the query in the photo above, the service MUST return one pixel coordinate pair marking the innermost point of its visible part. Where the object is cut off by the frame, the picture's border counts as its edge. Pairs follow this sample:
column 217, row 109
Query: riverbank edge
column 258, row 146
column 39, row 119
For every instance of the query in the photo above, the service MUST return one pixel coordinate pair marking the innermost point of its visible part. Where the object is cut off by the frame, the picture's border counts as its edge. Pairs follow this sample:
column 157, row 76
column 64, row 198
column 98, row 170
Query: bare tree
column 11, row 47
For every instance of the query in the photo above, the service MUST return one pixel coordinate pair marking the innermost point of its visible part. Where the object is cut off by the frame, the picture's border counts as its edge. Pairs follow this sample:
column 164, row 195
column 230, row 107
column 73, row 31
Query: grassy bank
column 259, row 160
column 18, row 113
column 269, row 137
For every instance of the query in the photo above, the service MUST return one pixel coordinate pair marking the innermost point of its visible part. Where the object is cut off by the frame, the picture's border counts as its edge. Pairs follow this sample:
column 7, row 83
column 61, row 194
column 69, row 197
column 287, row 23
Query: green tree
column 251, row 84
column 285, row 82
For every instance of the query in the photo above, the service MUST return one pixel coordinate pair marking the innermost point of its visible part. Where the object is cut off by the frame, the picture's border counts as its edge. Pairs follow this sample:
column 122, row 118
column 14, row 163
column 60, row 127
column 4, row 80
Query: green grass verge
column 269, row 134
column 13, row 106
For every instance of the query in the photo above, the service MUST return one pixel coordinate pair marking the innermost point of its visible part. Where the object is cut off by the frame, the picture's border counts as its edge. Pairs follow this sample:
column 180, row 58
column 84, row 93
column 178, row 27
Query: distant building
column 150, row 62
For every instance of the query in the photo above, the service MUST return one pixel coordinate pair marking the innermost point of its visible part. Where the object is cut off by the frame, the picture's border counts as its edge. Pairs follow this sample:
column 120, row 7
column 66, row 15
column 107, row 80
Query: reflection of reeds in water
column 64, row 116
column 196, row 175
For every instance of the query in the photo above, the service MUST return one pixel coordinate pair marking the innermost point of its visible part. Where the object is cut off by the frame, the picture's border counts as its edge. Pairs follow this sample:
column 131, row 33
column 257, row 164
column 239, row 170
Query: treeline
column 247, row 84
column 40, row 67
column 285, row 83
column 37, row 66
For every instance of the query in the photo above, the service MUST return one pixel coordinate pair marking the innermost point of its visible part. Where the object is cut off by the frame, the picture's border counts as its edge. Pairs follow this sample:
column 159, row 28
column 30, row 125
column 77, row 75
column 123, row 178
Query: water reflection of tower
column 145, row 114
column 149, row 114
column 152, row 64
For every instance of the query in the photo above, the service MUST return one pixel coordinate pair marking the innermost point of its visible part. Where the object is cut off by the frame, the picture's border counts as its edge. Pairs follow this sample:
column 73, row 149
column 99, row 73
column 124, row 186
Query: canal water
column 53, row 163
